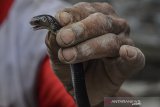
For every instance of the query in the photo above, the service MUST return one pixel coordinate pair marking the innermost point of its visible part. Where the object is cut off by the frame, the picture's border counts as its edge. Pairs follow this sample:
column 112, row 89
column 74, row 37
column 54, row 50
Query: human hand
column 95, row 35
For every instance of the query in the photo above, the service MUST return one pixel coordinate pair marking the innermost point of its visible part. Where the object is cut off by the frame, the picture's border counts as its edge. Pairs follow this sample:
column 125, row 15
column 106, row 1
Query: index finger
column 82, row 10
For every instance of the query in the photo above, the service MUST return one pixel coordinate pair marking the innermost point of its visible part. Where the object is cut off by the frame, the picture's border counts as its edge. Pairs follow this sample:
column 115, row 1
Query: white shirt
column 21, row 51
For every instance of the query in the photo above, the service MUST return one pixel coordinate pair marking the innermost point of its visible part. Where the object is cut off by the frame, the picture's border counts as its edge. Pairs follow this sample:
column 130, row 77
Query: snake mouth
column 37, row 24
column 37, row 27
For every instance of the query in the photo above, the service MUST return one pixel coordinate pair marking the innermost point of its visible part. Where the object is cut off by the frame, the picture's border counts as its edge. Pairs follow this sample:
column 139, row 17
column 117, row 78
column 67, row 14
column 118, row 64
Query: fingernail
column 65, row 18
column 69, row 54
column 131, row 53
column 67, row 36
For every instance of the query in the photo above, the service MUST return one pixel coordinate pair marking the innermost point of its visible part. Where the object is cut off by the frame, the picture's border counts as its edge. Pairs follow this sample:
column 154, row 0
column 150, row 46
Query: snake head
column 45, row 22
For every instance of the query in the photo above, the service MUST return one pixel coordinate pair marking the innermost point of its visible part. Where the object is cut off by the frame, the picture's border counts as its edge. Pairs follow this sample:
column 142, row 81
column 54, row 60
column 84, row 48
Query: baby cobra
column 77, row 71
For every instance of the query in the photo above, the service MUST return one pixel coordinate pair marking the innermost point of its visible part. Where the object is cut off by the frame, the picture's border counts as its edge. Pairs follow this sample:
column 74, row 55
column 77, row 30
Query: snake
column 77, row 72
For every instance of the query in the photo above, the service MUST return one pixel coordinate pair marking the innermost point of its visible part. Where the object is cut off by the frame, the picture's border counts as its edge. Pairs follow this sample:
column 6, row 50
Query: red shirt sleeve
column 51, row 92
column 5, row 6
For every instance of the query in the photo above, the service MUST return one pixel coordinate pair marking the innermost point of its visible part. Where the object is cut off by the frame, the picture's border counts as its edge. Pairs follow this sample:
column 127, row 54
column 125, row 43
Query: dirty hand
column 95, row 35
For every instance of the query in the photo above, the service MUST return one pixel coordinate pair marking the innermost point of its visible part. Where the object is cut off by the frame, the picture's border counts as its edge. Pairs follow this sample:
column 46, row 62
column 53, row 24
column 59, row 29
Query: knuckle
column 124, row 22
column 78, row 28
column 110, row 44
column 109, row 21
column 126, row 26
column 98, row 16
column 85, row 50
column 120, row 26
column 106, row 21
column 114, row 44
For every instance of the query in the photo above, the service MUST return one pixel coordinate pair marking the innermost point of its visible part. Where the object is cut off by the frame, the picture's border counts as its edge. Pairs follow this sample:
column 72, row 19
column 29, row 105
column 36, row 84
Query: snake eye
column 34, row 21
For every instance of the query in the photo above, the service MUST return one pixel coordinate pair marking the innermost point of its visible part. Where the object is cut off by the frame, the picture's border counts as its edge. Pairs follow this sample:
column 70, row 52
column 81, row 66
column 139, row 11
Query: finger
column 60, row 69
column 81, row 10
column 94, row 25
column 103, row 46
column 131, row 60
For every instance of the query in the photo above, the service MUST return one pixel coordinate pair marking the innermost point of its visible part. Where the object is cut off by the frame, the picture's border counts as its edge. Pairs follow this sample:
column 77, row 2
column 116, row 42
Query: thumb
column 131, row 60
column 61, row 70
column 52, row 47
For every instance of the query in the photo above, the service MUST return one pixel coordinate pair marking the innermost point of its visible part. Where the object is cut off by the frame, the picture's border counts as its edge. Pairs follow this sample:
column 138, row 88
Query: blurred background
column 144, row 19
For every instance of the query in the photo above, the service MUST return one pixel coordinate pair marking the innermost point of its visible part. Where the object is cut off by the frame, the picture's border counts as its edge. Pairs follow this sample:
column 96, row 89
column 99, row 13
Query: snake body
column 77, row 71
